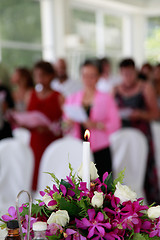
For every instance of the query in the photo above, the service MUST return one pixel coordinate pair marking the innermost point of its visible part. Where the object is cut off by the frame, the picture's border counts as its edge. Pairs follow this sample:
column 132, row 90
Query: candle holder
column 29, row 213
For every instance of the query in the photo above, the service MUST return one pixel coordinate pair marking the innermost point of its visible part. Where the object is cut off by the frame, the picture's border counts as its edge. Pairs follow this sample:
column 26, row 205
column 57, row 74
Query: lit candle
column 86, row 159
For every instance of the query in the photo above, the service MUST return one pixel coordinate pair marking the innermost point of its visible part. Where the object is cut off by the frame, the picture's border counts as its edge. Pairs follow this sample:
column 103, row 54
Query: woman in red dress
column 48, row 102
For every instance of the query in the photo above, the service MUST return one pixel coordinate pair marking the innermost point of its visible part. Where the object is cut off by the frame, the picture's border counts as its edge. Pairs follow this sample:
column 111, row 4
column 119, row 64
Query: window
column 83, row 24
column 113, row 38
column 20, row 33
column 152, row 49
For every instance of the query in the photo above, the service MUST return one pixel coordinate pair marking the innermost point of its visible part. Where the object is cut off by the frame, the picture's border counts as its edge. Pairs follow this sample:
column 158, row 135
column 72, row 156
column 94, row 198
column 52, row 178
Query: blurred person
column 106, row 80
column 146, row 72
column 139, row 100
column 6, row 104
column 62, row 83
column 156, row 83
column 48, row 102
column 23, row 83
column 103, row 118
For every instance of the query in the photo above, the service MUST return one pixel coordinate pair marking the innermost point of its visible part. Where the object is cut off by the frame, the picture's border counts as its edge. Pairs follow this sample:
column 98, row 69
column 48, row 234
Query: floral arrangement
column 109, row 210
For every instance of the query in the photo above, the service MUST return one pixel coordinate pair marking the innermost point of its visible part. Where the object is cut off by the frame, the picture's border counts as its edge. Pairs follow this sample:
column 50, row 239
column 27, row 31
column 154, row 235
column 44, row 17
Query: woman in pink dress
column 103, row 118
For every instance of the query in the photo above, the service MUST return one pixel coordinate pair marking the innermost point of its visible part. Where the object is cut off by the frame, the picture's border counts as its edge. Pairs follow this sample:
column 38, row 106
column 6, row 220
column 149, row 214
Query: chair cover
column 155, row 127
column 16, row 171
column 56, row 160
column 22, row 134
column 129, row 150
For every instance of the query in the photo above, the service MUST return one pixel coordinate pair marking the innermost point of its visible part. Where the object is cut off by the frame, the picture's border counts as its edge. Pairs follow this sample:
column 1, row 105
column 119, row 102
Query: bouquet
column 109, row 210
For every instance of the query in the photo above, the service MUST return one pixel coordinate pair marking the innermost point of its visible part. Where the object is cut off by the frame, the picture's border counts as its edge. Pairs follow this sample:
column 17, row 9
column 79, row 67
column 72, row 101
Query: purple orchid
column 53, row 229
column 95, row 224
column 131, row 214
column 114, row 235
column 83, row 189
column 115, row 210
column 25, row 225
column 63, row 189
column 52, row 202
column 70, row 182
column 100, row 185
column 12, row 213
column 155, row 230
column 72, row 234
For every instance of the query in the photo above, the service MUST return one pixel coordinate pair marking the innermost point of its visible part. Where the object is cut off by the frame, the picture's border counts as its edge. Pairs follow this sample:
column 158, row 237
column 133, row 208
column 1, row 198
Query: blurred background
column 76, row 29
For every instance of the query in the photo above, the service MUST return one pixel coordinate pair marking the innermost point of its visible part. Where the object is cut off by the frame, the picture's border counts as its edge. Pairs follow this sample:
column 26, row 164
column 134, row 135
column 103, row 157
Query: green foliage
column 66, row 184
column 3, row 225
column 36, row 210
column 141, row 236
column 71, row 169
column 109, row 182
column 73, row 175
column 84, row 204
column 54, row 237
column 55, row 179
column 119, row 179
column 70, row 206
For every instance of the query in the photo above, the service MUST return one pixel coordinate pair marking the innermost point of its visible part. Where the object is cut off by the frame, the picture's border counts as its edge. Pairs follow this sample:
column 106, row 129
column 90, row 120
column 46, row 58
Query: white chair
column 155, row 127
column 129, row 150
column 22, row 134
column 56, row 159
column 16, row 171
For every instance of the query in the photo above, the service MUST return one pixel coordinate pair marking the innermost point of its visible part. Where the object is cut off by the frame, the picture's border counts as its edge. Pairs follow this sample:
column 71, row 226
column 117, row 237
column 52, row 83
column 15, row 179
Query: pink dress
column 104, row 110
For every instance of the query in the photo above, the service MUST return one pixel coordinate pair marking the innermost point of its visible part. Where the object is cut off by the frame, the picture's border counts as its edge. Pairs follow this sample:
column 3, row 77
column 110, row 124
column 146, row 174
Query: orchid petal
column 91, row 214
column 99, row 217
column 91, row 232
column 63, row 189
column 100, row 230
column 105, row 175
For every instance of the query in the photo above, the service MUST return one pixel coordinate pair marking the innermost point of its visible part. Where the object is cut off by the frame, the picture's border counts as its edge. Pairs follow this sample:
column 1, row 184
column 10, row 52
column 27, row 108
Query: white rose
column 60, row 217
column 124, row 193
column 93, row 171
column 46, row 200
column 97, row 199
column 154, row 212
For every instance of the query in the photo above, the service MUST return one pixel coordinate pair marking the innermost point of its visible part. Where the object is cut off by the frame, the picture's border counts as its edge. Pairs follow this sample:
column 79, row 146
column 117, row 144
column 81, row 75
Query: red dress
column 49, row 106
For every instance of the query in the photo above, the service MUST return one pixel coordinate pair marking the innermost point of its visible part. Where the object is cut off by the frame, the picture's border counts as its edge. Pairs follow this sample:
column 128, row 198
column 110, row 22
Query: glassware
column 39, row 229
column 29, row 214
column 13, row 230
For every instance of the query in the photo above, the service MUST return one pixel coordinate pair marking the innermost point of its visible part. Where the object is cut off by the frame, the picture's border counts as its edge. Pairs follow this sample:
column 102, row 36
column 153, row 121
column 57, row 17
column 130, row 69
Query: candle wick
column 86, row 139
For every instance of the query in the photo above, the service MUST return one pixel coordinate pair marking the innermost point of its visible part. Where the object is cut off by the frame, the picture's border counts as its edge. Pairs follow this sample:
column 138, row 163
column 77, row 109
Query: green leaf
column 54, row 237
column 57, row 196
column 119, row 179
column 56, row 180
column 3, row 225
column 36, row 210
column 109, row 182
column 66, row 184
column 143, row 236
column 71, row 169
column 84, row 205
column 70, row 206
column 138, row 236
column 103, row 189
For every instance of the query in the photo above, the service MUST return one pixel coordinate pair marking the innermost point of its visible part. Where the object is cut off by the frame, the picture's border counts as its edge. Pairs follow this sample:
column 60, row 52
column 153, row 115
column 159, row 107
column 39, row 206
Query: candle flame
column 87, row 135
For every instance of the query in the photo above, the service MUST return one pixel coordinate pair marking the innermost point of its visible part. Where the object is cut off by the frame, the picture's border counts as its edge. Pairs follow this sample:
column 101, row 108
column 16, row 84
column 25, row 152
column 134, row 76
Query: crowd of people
column 109, row 102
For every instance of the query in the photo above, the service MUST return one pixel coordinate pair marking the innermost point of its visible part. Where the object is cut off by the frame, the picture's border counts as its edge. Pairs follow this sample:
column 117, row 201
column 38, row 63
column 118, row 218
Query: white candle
column 86, row 159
